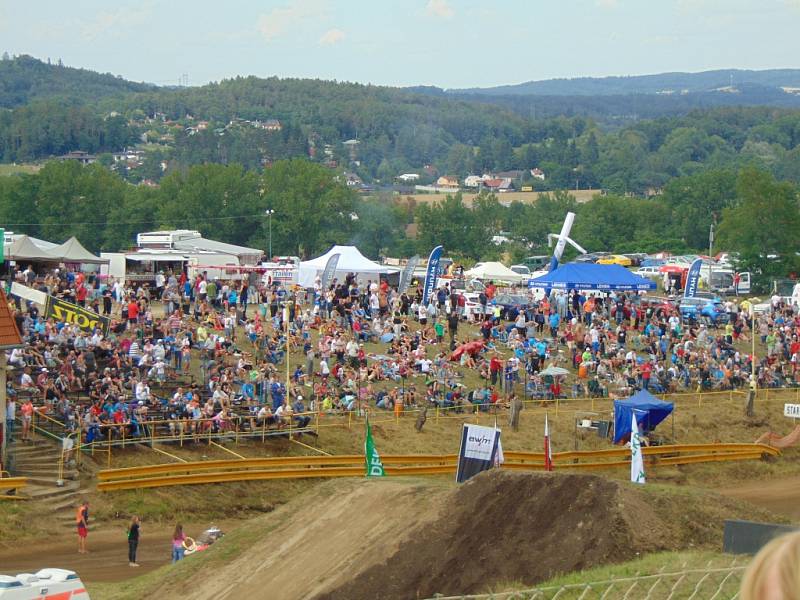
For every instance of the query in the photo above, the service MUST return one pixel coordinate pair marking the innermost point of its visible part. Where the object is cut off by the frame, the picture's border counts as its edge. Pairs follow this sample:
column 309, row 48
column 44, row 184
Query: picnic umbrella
column 554, row 371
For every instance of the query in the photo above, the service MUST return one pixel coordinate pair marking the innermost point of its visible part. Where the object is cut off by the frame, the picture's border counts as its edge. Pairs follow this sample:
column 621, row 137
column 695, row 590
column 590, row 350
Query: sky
column 447, row 43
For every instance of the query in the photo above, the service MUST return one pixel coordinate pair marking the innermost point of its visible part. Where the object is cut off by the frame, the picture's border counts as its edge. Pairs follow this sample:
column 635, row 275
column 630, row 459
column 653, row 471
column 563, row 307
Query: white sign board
column 791, row 410
column 28, row 293
column 480, row 442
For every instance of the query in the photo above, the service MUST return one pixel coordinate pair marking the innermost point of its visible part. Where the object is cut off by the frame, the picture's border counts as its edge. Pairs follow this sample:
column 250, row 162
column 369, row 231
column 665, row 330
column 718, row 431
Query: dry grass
column 6, row 169
column 581, row 196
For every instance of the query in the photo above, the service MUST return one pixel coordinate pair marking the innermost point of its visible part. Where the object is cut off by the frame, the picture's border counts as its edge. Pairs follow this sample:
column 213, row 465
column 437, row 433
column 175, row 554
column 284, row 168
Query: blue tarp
column 589, row 276
column 650, row 411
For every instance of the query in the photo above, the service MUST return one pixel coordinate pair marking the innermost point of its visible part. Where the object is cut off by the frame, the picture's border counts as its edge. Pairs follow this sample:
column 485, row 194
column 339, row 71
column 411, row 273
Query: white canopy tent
column 350, row 261
column 494, row 271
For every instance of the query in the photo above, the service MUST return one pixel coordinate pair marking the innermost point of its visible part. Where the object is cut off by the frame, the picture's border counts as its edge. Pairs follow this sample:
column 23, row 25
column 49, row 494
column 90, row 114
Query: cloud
column 607, row 4
column 282, row 20
column 440, row 9
column 115, row 21
column 331, row 37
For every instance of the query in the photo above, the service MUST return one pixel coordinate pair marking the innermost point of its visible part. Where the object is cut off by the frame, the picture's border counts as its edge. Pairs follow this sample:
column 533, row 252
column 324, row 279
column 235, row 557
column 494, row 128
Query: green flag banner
column 373, row 461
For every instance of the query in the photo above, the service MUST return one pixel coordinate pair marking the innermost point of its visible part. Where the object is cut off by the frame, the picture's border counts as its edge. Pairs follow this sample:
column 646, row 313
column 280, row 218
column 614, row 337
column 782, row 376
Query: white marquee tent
column 350, row 261
column 494, row 271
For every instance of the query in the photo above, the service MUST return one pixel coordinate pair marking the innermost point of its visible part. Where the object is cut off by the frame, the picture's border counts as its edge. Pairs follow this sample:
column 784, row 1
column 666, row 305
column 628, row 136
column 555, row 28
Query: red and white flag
column 548, row 454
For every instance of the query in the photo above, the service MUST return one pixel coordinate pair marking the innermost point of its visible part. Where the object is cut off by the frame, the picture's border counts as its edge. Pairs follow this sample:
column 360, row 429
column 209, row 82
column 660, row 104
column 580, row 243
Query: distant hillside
column 24, row 79
column 661, row 83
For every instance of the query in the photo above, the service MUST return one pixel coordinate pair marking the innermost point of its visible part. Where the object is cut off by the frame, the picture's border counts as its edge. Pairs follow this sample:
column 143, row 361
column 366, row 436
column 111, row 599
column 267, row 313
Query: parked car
column 472, row 306
column 653, row 262
column 615, row 259
column 511, row 305
column 649, row 272
column 636, row 258
column 709, row 311
column 591, row 257
column 521, row 270
column 535, row 263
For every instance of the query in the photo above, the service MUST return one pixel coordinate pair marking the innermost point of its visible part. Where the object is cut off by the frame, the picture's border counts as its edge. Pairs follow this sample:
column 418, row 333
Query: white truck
column 46, row 584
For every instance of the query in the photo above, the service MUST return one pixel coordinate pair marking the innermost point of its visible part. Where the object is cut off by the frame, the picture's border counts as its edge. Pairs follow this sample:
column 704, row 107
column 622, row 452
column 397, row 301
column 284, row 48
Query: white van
column 46, row 583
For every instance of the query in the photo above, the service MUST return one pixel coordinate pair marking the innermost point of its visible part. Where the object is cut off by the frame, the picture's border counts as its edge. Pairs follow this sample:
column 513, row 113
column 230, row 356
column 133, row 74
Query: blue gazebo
column 649, row 410
column 589, row 276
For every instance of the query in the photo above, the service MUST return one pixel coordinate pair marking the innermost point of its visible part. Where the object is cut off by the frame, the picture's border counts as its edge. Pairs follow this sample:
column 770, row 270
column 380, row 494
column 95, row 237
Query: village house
column 446, row 181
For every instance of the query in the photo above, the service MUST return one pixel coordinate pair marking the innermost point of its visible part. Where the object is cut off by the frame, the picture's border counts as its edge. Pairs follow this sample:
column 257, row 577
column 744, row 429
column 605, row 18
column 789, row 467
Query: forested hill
column 676, row 83
column 24, row 79
column 373, row 134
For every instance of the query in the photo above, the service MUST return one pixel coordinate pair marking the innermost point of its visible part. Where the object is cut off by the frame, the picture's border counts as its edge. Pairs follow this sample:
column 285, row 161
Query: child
column 133, row 541
column 439, row 329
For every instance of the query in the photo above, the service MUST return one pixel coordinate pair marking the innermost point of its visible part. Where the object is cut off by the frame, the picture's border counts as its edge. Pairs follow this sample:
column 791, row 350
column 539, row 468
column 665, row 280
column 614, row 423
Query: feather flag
column 637, row 463
column 548, row 454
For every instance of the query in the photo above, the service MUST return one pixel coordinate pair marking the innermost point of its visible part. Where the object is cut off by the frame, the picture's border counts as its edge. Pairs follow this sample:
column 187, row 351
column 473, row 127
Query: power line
column 180, row 220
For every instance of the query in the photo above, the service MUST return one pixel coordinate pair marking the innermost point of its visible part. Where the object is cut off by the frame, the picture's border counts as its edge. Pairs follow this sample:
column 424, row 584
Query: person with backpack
column 133, row 541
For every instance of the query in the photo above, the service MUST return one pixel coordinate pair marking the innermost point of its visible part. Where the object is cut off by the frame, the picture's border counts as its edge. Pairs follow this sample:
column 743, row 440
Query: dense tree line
column 755, row 215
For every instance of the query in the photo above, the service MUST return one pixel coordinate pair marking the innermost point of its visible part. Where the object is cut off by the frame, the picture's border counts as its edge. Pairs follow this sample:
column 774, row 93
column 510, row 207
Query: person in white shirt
column 17, row 358
column 202, row 289
column 143, row 391
column 423, row 314
column 374, row 305
column 352, row 352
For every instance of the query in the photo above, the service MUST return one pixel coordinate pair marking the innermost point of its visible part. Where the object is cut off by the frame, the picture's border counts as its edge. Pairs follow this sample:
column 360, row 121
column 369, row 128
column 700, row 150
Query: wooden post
column 3, row 409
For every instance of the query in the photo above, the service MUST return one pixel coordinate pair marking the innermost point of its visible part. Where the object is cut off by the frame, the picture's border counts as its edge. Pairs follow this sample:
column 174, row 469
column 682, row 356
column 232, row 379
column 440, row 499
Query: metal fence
column 717, row 583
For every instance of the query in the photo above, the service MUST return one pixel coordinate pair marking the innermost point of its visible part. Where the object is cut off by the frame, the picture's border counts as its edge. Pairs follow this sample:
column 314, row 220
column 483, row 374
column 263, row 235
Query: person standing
column 177, row 543
column 133, row 541
column 82, row 521
column 11, row 415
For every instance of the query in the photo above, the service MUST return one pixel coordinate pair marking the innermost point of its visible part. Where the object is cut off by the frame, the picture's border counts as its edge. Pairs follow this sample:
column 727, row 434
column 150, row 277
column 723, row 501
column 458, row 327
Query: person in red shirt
column 647, row 370
column 133, row 312
column 491, row 289
column 495, row 368
column 80, row 294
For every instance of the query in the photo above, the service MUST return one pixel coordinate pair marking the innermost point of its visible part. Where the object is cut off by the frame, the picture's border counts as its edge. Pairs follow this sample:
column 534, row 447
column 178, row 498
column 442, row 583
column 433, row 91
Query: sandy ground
column 780, row 496
column 313, row 549
column 107, row 560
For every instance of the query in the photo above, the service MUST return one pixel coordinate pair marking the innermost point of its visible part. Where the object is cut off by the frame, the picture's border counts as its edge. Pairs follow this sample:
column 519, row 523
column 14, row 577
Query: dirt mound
column 504, row 526
column 401, row 538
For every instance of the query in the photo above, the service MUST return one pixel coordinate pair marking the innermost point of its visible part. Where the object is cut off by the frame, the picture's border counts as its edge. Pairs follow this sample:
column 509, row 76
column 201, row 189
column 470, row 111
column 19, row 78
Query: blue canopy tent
column 649, row 410
column 589, row 276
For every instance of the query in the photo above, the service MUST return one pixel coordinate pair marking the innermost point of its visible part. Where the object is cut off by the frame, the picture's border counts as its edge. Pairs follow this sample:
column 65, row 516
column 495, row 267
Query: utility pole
column 269, row 212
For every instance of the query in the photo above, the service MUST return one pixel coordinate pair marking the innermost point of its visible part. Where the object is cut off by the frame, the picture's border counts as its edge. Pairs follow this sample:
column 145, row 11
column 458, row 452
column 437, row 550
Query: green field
column 6, row 169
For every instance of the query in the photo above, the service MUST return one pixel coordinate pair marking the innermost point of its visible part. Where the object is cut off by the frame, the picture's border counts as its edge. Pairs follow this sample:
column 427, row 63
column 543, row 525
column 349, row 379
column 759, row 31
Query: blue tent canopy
column 650, row 411
column 589, row 276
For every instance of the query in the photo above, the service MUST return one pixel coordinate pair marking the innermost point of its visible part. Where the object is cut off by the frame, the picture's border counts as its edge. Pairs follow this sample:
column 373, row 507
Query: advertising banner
column 478, row 450
column 431, row 274
column 693, row 279
column 327, row 273
column 86, row 320
column 408, row 274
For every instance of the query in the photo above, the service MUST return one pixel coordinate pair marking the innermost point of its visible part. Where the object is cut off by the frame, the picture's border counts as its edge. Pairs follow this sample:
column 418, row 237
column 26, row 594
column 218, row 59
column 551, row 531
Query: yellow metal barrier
column 218, row 471
column 270, row 462
column 12, row 483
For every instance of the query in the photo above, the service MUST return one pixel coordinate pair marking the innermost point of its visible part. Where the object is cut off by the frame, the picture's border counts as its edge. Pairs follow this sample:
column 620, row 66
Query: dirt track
column 403, row 538
column 780, row 496
column 318, row 547
column 107, row 560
